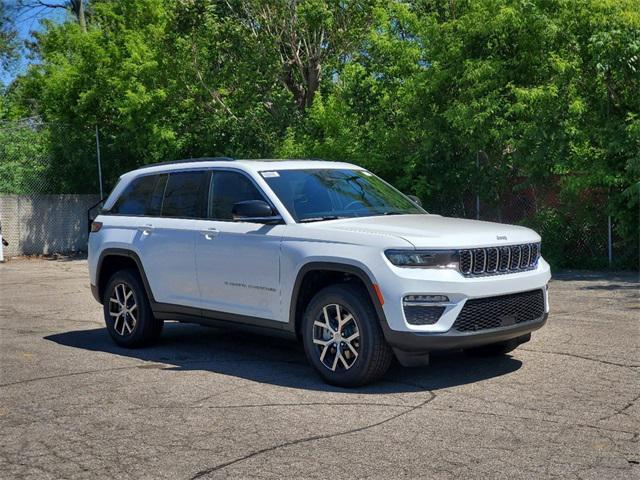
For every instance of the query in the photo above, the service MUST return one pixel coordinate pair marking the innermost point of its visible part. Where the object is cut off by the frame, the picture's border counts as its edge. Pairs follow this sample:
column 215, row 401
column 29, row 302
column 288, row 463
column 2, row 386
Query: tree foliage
column 541, row 95
column 9, row 45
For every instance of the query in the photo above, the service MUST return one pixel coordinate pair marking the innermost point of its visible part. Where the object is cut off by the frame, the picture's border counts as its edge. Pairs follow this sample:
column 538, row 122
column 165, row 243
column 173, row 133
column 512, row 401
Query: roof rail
column 190, row 160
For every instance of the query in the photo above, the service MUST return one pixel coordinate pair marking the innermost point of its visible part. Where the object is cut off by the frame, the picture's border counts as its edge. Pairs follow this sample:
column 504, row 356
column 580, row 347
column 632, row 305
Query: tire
column 136, row 327
column 497, row 349
column 374, row 355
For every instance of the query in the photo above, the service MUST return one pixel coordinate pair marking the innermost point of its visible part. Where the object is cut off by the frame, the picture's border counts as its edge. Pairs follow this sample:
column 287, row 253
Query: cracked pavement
column 206, row 403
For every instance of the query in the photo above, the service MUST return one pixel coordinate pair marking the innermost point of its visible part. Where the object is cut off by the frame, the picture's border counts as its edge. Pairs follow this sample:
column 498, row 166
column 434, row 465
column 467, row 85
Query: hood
column 435, row 231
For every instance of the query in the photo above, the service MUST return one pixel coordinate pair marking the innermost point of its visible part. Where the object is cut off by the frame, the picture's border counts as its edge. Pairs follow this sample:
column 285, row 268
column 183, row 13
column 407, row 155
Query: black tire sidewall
column 353, row 299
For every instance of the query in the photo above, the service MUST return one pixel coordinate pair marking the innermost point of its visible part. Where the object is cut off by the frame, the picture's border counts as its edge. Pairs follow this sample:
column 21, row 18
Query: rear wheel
column 127, row 313
column 342, row 337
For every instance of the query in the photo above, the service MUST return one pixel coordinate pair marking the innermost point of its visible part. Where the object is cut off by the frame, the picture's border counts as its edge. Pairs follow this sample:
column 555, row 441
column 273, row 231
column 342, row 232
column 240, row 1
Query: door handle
column 146, row 229
column 210, row 233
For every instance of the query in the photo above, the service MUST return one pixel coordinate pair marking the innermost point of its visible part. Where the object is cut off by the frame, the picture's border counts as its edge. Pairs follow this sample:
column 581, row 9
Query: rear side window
column 228, row 188
column 184, row 195
column 155, row 202
column 136, row 197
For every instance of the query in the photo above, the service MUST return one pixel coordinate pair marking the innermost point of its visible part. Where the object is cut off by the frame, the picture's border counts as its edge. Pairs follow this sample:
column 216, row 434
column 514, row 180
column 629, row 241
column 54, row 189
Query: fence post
column 610, row 243
column 99, row 164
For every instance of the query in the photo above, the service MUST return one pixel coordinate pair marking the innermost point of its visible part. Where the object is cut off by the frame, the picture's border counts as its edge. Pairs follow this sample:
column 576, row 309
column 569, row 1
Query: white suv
column 324, row 252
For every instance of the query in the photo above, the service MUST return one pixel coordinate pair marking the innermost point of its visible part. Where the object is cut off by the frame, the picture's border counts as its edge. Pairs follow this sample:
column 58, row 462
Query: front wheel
column 127, row 314
column 342, row 337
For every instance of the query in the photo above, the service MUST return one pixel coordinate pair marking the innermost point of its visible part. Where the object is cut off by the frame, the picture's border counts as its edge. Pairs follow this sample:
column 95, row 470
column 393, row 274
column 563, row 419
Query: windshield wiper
column 319, row 219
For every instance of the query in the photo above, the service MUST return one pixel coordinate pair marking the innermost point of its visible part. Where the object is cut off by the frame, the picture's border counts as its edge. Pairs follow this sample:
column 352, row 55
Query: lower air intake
column 422, row 315
column 502, row 311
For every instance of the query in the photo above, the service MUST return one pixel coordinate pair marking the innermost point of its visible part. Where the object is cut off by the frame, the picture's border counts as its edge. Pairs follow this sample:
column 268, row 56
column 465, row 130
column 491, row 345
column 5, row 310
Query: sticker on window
column 269, row 174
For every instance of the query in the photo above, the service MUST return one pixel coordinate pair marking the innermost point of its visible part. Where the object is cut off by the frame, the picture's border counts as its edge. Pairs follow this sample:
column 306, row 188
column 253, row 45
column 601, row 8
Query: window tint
column 184, row 195
column 314, row 194
column 135, row 198
column 228, row 188
column 155, row 202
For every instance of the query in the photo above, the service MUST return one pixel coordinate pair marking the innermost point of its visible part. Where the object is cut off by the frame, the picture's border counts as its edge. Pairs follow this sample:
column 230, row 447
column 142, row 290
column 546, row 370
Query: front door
column 237, row 263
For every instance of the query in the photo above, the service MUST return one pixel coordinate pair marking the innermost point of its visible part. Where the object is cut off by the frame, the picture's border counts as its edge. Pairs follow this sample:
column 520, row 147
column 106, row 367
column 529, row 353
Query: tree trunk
column 78, row 10
column 314, row 69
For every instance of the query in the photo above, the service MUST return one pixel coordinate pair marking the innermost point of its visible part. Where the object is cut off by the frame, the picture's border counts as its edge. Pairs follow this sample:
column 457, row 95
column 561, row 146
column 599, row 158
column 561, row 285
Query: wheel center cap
column 336, row 336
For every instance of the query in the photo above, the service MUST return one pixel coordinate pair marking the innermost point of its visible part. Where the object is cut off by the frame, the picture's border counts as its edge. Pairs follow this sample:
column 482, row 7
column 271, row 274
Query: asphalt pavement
column 208, row 403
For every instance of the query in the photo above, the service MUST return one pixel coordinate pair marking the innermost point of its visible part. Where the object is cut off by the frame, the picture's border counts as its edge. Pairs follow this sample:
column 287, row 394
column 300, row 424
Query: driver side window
column 226, row 189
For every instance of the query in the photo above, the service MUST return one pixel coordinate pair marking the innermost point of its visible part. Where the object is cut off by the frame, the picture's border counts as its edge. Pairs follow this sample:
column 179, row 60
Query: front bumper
column 424, row 343
column 397, row 283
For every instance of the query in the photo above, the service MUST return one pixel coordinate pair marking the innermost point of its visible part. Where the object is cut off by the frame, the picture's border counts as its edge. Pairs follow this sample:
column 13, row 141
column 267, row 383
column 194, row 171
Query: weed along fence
column 44, row 224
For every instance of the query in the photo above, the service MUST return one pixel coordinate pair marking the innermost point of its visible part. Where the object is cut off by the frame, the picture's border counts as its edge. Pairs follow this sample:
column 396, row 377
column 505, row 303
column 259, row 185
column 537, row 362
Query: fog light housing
column 424, row 299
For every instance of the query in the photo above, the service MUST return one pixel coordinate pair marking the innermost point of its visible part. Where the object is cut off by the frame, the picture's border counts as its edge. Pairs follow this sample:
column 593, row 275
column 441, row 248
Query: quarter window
column 184, row 195
column 228, row 188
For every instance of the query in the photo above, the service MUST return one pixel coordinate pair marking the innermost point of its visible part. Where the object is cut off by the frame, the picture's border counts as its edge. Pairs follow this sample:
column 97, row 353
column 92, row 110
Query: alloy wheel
column 123, row 309
column 336, row 337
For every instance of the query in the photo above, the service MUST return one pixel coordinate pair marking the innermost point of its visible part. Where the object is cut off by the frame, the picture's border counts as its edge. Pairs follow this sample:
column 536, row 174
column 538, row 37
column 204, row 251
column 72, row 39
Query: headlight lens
column 424, row 258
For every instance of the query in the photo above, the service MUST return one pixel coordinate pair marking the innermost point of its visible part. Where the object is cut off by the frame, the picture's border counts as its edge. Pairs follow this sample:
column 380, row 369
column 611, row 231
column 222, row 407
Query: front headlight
column 424, row 258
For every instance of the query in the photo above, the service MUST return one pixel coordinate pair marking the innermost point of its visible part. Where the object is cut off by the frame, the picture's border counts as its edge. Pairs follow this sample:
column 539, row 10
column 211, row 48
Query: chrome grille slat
column 499, row 260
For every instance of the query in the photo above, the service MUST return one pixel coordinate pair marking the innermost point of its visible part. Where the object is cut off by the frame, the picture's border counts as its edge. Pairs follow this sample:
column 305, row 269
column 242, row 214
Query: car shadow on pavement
column 277, row 361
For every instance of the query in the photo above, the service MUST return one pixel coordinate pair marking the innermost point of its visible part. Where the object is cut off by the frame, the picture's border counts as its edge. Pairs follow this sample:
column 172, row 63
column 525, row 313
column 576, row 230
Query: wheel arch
column 330, row 273
column 114, row 259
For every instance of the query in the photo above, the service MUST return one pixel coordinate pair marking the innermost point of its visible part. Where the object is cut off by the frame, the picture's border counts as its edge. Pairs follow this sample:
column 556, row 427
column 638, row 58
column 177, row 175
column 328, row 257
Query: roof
column 258, row 165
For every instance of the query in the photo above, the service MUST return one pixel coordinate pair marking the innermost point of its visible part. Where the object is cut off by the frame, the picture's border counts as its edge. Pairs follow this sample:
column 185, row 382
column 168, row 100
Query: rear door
column 237, row 262
column 166, row 243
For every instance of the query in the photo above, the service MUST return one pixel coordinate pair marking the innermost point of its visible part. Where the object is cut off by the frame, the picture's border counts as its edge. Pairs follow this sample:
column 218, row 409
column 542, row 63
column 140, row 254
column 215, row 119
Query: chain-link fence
column 42, row 209
column 35, row 217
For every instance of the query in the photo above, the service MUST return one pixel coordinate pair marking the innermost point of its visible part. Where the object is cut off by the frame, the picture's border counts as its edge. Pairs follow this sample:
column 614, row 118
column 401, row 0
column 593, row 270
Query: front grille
column 422, row 315
column 497, row 260
column 502, row 311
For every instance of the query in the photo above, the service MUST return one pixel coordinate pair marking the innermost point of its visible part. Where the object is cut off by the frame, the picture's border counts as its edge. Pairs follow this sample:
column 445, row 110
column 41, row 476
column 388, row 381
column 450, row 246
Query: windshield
column 326, row 194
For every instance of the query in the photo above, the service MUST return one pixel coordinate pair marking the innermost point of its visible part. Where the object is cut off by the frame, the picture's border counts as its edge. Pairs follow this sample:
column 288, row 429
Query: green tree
column 541, row 95
column 9, row 45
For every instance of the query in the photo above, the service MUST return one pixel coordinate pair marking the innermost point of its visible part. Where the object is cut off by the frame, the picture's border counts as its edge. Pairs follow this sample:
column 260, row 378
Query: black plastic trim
column 214, row 318
column 454, row 340
column 123, row 252
column 95, row 293
column 334, row 267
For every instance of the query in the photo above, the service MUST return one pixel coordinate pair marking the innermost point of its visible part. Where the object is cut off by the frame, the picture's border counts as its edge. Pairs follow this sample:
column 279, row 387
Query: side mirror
column 415, row 200
column 256, row 211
